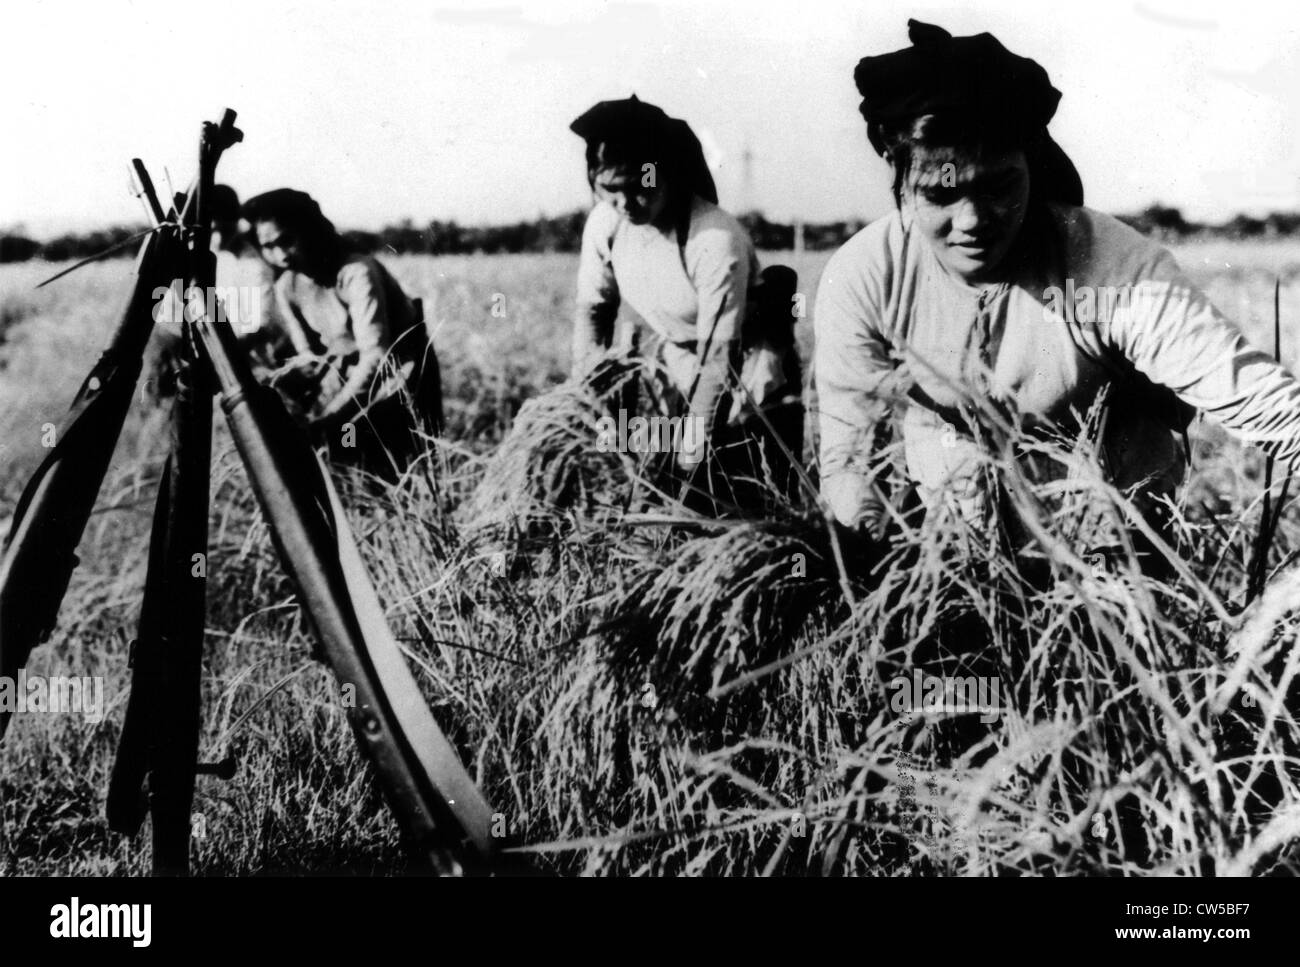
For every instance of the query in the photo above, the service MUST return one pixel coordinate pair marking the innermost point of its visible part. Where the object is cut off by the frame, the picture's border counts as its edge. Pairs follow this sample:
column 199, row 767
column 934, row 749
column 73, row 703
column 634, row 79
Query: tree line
column 563, row 233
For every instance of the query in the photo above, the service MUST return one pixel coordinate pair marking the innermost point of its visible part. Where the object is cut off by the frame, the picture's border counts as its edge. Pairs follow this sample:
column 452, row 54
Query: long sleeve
column 246, row 291
column 290, row 316
column 361, row 288
column 1173, row 334
column 853, row 374
column 597, row 302
column 719, row 264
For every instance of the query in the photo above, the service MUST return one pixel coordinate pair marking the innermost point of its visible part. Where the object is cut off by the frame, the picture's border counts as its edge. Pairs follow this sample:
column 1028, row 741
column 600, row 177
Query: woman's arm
column 361, row 288
column 1177, row 338
column 718, row 262
column 288, row 312
column 853, row 375
column 597, row 297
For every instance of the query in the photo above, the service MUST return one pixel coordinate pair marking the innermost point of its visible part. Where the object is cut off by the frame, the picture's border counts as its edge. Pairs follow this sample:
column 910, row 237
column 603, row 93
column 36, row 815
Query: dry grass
column 640, row 691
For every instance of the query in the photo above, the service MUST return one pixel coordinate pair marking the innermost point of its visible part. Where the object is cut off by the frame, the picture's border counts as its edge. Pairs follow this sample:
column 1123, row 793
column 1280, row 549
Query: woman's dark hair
column 298, row 213
column 680, row 168
column 956, row 138
column 1052, row 175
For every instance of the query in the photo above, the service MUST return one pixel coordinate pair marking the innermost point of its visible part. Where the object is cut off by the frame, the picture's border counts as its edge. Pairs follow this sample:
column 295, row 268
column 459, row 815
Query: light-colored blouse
column 694, row 295
column 359, row 316
column 1097, row 304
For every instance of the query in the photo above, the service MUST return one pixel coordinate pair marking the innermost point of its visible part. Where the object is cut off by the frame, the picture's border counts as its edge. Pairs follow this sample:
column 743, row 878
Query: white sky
column 461, row 110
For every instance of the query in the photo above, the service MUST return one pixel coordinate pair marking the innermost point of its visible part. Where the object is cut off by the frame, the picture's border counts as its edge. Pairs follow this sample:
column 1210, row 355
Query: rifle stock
column 39, row 554
column 434, row 799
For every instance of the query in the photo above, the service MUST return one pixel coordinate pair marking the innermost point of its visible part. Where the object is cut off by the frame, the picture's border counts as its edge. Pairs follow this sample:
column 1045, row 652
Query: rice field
column 642, row 692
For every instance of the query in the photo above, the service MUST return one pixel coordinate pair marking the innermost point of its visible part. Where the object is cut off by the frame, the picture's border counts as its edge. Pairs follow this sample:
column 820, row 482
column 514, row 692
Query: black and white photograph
column 669, row 439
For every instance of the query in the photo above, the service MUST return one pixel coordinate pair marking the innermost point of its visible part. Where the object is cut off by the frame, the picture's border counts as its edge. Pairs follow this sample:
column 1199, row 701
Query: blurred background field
column 50, row 337
column 301, row 800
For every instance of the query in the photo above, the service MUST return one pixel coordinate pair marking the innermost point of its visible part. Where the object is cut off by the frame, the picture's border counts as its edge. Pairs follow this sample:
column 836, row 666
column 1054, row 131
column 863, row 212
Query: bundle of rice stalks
column 551, row 468
column 719, row 607
column 739, row 701
column 1136, row 772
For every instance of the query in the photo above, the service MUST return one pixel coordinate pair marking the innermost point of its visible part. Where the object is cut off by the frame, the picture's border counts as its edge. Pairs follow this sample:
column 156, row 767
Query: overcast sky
column 461, row 110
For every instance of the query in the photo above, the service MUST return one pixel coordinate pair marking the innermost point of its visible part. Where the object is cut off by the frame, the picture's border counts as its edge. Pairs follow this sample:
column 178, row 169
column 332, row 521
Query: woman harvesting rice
column 968, row 307
column 971, row 289
column 363, row 358
column 657, row 240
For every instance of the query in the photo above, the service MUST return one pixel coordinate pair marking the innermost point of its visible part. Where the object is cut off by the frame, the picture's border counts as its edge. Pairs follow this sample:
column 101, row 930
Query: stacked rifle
column 443, row 817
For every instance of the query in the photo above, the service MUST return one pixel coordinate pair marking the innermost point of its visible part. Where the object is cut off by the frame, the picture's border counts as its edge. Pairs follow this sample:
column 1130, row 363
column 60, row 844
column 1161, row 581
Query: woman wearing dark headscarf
column 657, row 240
column 363, row 356
column 975, row 288
column 991, row 290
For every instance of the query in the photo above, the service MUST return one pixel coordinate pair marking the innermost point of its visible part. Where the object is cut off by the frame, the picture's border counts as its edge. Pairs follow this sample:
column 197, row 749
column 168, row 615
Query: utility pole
column 749, row 202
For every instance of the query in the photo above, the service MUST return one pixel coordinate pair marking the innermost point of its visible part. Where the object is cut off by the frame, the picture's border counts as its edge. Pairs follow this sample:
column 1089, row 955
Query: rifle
column 444, row 818
column 160, row 735
column 39, row 553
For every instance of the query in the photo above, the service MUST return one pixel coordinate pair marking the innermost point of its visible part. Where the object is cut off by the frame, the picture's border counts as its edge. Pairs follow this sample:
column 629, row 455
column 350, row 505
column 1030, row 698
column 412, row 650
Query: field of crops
column 640, row 692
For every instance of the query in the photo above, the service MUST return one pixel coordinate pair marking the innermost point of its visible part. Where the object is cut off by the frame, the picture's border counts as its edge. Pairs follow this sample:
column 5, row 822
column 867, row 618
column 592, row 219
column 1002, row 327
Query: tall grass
column 769, row 743
column 641, row 690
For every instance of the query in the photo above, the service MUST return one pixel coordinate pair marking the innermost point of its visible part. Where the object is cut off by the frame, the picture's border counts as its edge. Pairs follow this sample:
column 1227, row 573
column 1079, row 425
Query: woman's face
column 637, row 195
column 280, row 246
column 969, row 212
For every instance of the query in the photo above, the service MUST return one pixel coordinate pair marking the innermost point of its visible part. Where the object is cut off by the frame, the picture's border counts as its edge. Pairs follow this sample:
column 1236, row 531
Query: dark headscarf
column 974, row 78
column 223, row 205
column 285, row 205
column 633, row 131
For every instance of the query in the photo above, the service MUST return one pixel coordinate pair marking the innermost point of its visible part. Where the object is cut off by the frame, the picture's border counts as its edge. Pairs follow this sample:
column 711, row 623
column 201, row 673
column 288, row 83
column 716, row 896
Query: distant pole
column 747, row 191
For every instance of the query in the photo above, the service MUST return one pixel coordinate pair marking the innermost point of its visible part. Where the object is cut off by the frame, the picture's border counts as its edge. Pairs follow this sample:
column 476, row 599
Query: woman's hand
column 873, row 519
column 311, row 382
column 302, row 370
column 301, row 380
column 690, row 454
